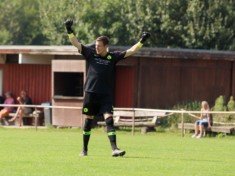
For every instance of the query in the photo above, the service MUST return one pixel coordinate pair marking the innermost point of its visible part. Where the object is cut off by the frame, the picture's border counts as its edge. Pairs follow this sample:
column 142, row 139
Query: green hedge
column 219, row 105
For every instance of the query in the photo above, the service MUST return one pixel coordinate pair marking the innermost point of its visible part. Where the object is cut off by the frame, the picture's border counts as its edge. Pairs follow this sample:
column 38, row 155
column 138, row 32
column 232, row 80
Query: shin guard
column 111, row 132
column 86, row 133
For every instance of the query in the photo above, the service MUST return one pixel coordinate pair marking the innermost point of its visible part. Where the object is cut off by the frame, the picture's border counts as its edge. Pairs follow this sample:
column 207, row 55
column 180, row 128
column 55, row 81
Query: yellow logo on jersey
column 109, row 57
column 85, row 109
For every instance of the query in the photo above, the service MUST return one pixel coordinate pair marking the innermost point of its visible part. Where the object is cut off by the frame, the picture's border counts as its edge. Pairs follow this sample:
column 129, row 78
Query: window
column 68, row 84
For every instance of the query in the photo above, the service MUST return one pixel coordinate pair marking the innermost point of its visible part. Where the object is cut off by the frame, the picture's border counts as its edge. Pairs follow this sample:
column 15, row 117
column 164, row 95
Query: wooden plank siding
column 125, row 86
column 36, row 79
column 152, row 78
column 165, row 82
column 233, row 80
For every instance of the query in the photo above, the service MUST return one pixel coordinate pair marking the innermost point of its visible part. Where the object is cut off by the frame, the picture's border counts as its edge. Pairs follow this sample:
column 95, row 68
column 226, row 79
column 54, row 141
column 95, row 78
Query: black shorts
column 96, row 104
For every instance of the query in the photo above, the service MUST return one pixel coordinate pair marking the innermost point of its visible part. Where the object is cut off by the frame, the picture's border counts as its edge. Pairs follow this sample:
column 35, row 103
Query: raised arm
column 68, row 24
column 138, row 45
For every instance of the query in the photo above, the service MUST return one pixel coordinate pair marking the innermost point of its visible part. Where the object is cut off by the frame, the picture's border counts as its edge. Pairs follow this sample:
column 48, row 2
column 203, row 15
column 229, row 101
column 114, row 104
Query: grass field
column 56, row 152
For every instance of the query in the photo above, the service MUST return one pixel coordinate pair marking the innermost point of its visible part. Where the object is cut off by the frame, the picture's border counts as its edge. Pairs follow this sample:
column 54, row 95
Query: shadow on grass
column 141, row 157
column 128, row 157
column 161, row 158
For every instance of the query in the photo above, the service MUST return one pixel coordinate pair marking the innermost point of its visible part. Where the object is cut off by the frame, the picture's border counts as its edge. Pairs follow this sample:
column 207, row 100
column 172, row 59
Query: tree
column 210, row 24
column 173, row 23
column 20, row 22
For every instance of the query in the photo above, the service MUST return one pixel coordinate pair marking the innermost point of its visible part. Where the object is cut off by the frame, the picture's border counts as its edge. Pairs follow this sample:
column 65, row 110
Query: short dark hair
column 8, row 94
column 104, row 39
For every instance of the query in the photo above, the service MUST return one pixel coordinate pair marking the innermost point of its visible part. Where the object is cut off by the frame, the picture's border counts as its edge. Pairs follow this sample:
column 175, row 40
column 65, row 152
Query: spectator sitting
column 23, row 99
column 203, row 122
column 8, row 101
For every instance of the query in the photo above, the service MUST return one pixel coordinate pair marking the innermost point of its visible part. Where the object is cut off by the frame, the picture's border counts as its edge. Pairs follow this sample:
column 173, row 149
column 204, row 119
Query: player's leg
column 86, row 134
column 204, row 127
column 112, row 135
column 20, row 115
column 106, row 108
column 196, row 127
column 201, row 129
column 3, row 113
column 110, row 130
column 89, row 110
column 15, row 116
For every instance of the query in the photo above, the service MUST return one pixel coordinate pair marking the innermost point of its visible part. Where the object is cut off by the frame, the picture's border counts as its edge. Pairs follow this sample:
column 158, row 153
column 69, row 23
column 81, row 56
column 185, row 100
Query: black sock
column 86, row 133
column 111, row 132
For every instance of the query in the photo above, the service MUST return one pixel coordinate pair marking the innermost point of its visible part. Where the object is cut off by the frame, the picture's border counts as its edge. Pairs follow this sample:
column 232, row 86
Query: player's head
column 8, row 94
column 101, row 45
column 205, row 105
column 23, row 93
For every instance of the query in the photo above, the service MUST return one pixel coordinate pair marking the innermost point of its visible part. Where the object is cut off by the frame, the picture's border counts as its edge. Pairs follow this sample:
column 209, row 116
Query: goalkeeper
column 99, row 85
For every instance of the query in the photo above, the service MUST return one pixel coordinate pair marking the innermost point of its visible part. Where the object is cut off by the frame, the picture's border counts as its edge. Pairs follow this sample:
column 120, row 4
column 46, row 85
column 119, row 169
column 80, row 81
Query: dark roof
column 144, row 52
column 33, row 49
column 183, row 53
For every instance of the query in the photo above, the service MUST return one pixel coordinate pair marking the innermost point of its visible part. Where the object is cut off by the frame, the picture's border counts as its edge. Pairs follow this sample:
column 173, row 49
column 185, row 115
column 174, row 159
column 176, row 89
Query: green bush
column 220, row 105
column 174, row 119
column 231, row 104
column 231, row 107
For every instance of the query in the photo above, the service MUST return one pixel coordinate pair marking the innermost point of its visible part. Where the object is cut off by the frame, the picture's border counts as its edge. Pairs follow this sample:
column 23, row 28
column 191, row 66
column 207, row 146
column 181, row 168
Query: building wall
column 36, row 79
column 166, row 82
column 125, row 86
column 151, row 82
column 233, row 79
column 67, row 117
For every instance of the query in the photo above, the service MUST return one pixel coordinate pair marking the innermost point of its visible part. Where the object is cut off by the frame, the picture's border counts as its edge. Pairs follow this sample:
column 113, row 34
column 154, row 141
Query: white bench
column 137, row 118
column 35, row 115
column 215, row 128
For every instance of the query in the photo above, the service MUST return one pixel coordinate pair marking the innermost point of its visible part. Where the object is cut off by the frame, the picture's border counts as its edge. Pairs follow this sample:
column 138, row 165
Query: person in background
column 23, row 99
column 99, row 86
column 8, row 101
column 203, row 122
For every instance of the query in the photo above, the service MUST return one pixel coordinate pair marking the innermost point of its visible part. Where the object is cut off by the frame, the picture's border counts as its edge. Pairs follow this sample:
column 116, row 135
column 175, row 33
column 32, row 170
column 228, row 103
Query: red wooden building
column 153, row 78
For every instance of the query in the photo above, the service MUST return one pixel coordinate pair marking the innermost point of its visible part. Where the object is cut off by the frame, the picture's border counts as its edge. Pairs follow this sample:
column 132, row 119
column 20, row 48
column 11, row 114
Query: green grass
column 56, row 152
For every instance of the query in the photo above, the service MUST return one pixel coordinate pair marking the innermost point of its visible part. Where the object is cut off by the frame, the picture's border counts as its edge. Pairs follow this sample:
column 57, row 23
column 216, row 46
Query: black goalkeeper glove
column 68, row 24
column 144, row 37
